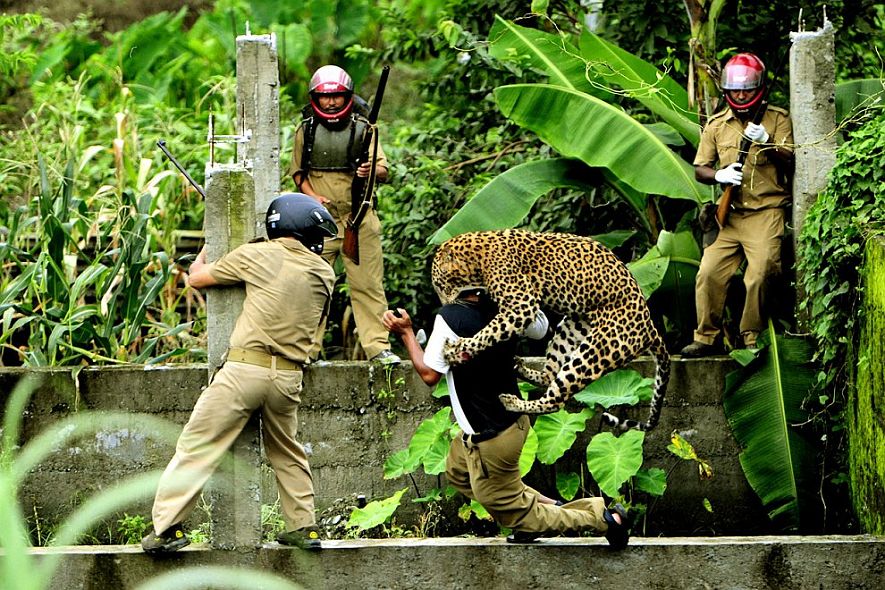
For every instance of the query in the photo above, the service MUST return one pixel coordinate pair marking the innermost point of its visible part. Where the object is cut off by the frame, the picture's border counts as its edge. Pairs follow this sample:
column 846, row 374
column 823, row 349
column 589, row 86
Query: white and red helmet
column 331, row 79
column 744, row 71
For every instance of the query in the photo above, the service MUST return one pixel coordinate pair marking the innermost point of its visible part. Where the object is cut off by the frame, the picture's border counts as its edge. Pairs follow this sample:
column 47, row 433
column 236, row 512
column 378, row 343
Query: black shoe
column 618, row 533
column 171, row 540
column 698, row 349
column 523, row 537
column 304, row 538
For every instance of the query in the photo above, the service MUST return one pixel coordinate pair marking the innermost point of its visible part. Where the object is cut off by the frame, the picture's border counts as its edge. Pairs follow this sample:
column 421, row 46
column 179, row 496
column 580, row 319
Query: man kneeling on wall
column 483, row 462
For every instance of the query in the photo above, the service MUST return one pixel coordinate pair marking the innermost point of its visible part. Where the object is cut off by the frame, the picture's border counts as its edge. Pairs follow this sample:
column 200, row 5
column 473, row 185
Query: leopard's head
column 457, row 267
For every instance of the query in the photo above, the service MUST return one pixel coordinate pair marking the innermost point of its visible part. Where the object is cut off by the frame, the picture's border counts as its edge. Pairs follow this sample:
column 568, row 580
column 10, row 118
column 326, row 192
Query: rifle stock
column 724, row 206
column 351, row 245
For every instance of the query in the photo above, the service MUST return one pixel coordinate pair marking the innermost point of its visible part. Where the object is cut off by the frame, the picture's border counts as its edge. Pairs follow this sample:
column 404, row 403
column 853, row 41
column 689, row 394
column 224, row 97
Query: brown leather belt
column 479, row 436
column 262, row 359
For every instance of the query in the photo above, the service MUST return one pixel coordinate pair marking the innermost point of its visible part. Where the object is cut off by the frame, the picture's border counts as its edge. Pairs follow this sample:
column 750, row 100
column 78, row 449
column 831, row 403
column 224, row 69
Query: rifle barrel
column 162, row 145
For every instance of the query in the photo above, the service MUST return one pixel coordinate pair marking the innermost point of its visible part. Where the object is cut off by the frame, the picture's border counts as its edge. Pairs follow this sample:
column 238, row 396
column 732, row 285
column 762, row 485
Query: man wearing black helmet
column 326, row 145
column 755, row 223
column 269, row 345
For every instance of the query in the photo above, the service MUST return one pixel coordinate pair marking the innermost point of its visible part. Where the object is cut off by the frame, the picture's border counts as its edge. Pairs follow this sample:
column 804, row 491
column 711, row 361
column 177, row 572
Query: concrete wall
column 866, row 431
column 350, row 427
column 776, row 563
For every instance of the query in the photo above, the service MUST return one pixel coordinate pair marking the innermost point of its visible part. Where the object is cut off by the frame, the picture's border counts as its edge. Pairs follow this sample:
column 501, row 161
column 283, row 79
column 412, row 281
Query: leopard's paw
column 512, row 403
column 455, row 353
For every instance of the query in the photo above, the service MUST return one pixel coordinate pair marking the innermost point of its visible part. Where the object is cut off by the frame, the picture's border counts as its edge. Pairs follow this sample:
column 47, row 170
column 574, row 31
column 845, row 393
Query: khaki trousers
column 366, row 282
column 756, row 236
column 488, row 472
column 218, row 417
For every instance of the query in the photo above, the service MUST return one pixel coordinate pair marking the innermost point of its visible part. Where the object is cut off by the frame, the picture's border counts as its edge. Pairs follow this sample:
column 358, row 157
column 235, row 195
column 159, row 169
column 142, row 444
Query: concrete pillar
column 229, row 222
column 258, row 117
column 813, row 110
column 237, row 197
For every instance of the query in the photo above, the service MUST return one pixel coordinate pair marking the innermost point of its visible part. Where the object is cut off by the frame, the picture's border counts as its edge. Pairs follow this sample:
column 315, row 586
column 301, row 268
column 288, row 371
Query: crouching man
column 288, row 286
column 483, row 461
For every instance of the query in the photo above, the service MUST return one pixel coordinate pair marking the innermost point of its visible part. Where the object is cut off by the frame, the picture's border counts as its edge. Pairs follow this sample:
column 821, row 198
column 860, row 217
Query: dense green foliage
column 848, row 213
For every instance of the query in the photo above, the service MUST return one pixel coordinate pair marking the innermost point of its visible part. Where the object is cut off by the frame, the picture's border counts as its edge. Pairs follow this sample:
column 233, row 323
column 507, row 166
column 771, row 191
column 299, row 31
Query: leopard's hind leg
column 600, row 349
column 565, row 338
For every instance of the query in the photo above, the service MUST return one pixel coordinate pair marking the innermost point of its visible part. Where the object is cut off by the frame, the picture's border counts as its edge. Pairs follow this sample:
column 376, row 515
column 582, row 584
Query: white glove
column 731, row 174
column 756, row 133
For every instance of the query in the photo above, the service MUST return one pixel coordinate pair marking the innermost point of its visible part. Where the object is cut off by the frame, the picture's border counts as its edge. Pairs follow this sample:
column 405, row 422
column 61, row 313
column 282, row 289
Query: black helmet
column 301, row 217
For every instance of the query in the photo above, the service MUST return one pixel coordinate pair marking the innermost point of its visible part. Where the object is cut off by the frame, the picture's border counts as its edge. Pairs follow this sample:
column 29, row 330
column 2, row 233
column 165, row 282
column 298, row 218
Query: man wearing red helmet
column 755, row 226
column 326, row 145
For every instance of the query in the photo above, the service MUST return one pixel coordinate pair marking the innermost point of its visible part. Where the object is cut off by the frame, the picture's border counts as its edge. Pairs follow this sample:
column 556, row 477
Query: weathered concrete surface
column 733, row 563
column 866, row 430
column 350, row 426
column 813, row 110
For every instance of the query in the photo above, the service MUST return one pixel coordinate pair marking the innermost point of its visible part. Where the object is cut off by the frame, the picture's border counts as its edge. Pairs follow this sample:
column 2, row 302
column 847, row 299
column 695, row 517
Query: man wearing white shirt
column 483, row 461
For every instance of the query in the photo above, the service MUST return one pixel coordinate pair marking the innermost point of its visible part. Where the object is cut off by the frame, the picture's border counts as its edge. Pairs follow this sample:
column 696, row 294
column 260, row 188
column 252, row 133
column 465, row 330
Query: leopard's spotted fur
column 606, row 322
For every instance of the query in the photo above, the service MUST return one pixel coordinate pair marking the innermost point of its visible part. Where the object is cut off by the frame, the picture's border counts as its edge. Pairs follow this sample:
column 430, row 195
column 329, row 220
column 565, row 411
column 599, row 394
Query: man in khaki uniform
column 483, row 461
column 288, row 286
column 755, row 226
column 333, row 133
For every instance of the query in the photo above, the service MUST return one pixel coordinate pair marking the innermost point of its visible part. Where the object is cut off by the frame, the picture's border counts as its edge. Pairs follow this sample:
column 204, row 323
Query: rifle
column 362, row 189
column 162, row 145
column 729, row 193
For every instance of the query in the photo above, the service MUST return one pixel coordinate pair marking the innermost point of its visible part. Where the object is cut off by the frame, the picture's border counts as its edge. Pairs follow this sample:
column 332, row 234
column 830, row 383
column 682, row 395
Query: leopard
column 606, row 322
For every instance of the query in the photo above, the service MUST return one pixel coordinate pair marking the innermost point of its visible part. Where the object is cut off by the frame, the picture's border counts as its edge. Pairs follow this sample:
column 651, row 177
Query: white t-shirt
column 434, row 358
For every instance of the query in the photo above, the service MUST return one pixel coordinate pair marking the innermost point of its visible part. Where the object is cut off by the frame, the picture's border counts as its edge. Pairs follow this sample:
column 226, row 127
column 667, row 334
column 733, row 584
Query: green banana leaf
column 601, row 135
column 506, row 200
column 857, row 93
column 546, row 52
column 658, row 92
column 763, row 404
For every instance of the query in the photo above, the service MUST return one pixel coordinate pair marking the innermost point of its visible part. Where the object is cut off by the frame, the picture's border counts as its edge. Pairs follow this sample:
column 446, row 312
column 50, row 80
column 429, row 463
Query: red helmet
column 331, row 80
column 744, row 71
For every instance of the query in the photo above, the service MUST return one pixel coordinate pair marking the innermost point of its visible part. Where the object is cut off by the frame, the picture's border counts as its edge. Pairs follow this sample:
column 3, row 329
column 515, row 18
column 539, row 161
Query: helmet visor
column 741, row 77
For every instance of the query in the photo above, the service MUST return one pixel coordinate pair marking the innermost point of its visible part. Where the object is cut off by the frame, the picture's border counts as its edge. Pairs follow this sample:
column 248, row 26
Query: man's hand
column 731, row 174
column 365, row 168
column 397, row 321
column 756, row 133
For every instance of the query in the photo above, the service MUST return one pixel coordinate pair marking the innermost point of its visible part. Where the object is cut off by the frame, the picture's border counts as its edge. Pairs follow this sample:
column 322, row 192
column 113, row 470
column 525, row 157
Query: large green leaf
column 613, row 460
column 557, row 433
column 375, row 513
column 763, row 404
column 547, row 52
column 430, row 443
column 658, row 92
column 650, row 270
column 618, row 388
column 529, row 451
column 581, row 126
column 855, row 95
column 506, row 200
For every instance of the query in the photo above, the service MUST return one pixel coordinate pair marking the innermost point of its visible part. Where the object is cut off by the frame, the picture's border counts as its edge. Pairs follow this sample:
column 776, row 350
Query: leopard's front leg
column 505, row 325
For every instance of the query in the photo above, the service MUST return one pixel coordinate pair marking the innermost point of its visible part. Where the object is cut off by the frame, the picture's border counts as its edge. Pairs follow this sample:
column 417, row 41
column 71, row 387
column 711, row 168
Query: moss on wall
column 866, row 416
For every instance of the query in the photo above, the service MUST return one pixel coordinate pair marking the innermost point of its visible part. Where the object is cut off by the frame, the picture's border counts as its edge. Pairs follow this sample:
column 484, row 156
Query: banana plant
column 575, row 112
column 763, row 405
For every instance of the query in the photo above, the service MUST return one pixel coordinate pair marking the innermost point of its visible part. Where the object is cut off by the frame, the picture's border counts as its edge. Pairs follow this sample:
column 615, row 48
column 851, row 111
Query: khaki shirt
column 335, row 186
column 763, row 187
column 287, row 292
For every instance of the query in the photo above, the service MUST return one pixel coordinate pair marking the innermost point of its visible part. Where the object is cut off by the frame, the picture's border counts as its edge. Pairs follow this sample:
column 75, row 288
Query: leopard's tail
column 662, row 377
